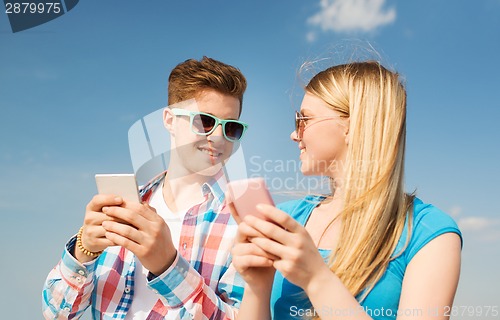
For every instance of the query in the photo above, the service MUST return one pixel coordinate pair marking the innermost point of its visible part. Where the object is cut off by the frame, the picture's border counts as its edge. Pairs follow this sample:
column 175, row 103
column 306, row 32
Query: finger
column 245, row 249
column 122, row 230
column 122, row 241
column 126, row 216
column 101, row 200
column 93, row 238
column 93, row 231
column 285, row 267
column 142, row 209
column 250, row 261
column 269, row 230
column 103, row 242
column 246, row 232
column 109, row 218
column 95, row 218
column 234, row 213
column 279, row 217
column 278, row 250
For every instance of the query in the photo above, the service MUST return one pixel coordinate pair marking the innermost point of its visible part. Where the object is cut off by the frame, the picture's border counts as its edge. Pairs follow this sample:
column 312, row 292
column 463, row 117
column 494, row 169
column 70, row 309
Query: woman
column 368, row 250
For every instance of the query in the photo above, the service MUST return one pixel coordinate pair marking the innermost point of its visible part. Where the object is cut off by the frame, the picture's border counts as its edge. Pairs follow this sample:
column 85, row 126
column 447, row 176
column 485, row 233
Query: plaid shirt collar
column 213, row 188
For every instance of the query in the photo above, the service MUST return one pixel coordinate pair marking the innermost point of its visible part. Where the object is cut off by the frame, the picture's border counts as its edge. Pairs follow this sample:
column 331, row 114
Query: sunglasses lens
column 299, row 125
column 203, row 123
column 234, row 130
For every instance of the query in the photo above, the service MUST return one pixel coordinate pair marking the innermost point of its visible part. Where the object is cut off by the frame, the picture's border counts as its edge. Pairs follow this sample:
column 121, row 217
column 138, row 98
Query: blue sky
column 71, row 88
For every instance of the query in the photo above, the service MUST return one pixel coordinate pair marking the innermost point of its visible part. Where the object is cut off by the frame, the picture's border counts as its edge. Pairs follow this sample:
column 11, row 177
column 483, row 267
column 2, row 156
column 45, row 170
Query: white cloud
column 481, row 224
column 352, row 15
column 311, row 36
column 455, row 211
column 482, row 229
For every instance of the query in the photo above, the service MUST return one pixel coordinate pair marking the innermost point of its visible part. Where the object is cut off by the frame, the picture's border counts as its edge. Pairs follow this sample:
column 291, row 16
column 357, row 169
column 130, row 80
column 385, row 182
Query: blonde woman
column 367, row 251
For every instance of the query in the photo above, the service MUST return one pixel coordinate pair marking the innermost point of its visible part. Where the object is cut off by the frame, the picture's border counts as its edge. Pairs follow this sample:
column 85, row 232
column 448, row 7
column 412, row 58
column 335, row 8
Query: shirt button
column 79, row 280
column 184, row 246
column 81, row 272
column 127, row 290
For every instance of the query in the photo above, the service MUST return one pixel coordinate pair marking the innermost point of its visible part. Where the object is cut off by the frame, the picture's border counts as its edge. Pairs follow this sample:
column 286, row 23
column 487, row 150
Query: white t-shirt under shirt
column 144, row 298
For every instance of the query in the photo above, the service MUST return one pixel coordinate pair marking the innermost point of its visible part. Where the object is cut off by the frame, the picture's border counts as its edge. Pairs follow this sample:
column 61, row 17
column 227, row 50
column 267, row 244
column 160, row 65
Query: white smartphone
column 123, row 185
column 247, row 194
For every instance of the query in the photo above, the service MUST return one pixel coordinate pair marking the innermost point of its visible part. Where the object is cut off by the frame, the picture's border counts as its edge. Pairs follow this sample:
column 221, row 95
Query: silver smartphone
column 123, row 185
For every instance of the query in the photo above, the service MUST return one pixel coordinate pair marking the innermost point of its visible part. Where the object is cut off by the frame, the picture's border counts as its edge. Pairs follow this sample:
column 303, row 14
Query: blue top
column 289, row 301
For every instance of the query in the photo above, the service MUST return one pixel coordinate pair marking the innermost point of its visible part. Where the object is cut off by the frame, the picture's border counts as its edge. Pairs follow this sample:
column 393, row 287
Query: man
column 126, row 262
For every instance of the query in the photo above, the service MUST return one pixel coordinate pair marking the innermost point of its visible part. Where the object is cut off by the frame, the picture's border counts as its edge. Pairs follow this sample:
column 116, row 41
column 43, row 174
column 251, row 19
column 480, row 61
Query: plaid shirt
column 201, row 283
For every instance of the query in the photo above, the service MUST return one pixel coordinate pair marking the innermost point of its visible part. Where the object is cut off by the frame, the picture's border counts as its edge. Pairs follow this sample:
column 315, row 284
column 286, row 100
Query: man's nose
column 218, row 131
column 217, row 136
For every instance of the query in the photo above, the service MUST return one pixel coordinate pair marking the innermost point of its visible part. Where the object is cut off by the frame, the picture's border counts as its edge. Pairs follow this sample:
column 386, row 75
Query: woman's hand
column 296, row 255
column 256, row 267
column 252, row 263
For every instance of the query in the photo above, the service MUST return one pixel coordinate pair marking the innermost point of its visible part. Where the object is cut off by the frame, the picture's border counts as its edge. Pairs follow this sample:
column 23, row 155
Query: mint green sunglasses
column 204, row 124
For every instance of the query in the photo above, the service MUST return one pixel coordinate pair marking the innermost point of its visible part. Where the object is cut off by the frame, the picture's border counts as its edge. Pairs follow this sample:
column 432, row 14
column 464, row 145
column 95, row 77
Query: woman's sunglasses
column 204, row 124
column 300, row 122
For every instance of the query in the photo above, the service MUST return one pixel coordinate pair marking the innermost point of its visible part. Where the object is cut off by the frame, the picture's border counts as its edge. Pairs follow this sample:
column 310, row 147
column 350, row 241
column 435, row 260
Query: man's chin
column 209, row 170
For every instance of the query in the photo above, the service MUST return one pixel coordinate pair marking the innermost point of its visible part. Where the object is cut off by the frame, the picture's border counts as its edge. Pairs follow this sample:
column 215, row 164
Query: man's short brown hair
column 190, row 77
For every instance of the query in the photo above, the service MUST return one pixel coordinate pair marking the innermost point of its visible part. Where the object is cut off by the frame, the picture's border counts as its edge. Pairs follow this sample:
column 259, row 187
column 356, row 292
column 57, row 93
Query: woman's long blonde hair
column 376, row 205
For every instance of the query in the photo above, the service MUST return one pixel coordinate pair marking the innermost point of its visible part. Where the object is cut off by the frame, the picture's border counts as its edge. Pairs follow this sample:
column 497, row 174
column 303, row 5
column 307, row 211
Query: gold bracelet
column 82, row 248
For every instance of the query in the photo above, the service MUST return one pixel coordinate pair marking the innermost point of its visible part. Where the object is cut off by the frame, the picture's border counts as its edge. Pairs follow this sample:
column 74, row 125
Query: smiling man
column 126, row 262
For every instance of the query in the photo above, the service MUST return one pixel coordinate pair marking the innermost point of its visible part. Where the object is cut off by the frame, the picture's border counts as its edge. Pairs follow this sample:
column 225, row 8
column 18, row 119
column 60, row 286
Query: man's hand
column 144, row 233
column 93, row 236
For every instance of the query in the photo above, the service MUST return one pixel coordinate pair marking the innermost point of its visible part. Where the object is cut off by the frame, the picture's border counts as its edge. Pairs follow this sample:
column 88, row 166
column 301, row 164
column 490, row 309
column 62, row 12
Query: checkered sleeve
column 182, row 287
column 68, row 287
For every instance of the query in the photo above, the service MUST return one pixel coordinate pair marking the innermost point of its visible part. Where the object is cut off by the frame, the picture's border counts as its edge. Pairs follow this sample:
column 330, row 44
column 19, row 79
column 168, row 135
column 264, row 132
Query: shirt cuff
column 73, row 271
column 178, row 283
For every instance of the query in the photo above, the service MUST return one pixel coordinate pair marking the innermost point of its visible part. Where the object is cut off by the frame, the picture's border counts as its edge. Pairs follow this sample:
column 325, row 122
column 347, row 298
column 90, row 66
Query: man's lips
column 211, row 152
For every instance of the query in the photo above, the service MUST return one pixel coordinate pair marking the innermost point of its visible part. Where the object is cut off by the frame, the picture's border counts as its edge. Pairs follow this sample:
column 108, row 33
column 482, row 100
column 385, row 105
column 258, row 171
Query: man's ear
column 168, row 119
